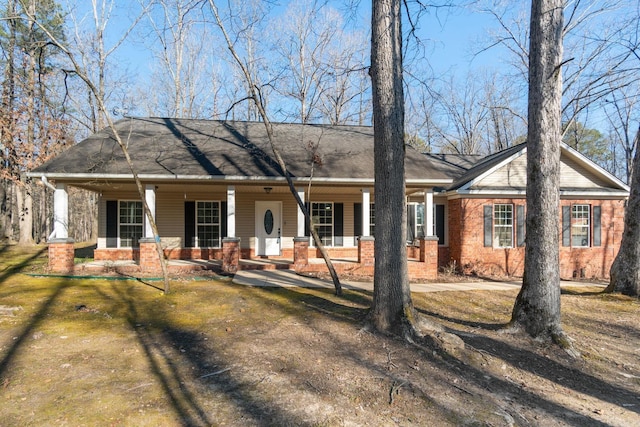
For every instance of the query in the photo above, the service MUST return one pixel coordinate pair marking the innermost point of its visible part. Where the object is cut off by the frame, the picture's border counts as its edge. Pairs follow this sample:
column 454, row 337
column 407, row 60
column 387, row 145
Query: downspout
column 46, row 182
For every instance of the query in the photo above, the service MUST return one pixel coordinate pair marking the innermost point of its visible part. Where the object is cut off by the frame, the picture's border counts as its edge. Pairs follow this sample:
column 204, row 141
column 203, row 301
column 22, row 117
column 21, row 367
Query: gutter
column 211, row 178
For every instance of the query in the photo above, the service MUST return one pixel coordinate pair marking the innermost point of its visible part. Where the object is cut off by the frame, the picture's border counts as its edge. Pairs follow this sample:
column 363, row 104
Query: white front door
column 268, row 228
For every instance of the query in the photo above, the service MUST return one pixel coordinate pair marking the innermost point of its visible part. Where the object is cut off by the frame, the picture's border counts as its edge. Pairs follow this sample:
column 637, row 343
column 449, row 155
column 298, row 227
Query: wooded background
column 311, row 58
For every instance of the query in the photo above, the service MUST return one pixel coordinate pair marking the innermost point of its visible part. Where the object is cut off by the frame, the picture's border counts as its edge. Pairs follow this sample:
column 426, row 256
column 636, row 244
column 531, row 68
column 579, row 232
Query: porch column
column 366, row 208
column 149, row 258
column 231, row 211
column 61, row 212
column 230, row 254
column 301, row 221
column 150, row 197
column 428, row 212
column 300, row 253
column 61, row 255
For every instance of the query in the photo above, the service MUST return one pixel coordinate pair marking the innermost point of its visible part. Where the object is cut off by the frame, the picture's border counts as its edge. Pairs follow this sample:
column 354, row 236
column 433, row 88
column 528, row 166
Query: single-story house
column 217, row 194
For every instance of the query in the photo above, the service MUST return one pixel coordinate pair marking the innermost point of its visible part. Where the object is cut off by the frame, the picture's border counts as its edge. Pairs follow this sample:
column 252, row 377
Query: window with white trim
column 503, row 226
column 580, row 225
column 130, row 223
column 322, row 221
column 207, row 224
column 415, row 221
column 420, row 220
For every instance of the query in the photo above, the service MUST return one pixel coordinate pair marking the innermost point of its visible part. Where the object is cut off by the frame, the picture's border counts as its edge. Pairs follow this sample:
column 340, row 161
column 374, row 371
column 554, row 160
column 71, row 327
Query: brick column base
column 366, row 248
column 149, row 259
column 429, row 256
column 61, row 255
column 230, row 254
column 300, row 252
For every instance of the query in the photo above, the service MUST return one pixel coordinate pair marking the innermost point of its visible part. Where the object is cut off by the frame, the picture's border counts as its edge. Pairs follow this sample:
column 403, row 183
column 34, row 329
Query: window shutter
column 439, row 224
column 189, row 224
column 112, row 223
column 488, row 226
column 411, row 222
column 338, row 224
column 223, row 220
column 520, row 221
column 357, row 219
column 566, row 226
column 597, row 226
column 307, row 232
column 357, row 222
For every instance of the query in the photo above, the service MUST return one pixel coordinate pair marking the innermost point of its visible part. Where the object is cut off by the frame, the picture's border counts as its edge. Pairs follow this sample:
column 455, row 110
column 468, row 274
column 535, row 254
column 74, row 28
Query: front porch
column 422, row 260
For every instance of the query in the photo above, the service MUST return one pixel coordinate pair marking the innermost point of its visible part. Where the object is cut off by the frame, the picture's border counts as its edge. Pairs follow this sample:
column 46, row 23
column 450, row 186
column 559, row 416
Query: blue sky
column 452, row 37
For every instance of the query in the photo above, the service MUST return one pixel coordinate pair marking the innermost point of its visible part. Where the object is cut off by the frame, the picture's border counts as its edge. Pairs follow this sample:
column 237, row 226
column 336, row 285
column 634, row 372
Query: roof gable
column 506, row 171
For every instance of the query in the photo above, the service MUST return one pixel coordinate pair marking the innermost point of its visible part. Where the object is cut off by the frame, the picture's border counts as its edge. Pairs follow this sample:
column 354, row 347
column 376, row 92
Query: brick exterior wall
column 61, row 255
column 119, row 254
column 595, row 262
column 466, row 241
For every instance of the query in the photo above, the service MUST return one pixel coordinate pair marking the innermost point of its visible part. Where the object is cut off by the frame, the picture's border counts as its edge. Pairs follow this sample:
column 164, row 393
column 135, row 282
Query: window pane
column 208, row 236
column 580, row 226
column 420, row 220
column 322, row 221
column 208, row 224
column 130, row 224
column 503, row 226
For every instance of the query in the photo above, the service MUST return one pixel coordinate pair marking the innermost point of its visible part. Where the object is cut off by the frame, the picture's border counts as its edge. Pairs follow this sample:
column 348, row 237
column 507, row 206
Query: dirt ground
column 97, row 352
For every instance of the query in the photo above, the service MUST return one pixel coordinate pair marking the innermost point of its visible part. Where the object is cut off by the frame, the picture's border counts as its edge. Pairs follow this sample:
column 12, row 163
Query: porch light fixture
column 267, row 190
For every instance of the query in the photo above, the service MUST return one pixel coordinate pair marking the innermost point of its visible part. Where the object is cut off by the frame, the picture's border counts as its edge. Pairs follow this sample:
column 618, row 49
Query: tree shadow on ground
column 188, row 366
column 543, row 367
column 39, row 316
column 482, row 325
column 481, row 380
column 20, row 266
column 581, row 292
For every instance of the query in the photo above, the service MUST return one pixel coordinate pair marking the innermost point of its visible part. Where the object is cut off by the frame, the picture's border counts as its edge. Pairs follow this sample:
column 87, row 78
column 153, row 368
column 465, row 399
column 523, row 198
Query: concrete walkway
column 288, row 278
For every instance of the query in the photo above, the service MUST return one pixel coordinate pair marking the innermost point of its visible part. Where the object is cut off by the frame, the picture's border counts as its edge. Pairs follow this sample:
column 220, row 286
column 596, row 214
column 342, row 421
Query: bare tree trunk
column 537, row 307
column 8, row 124
column 392, row 308
column 625, row 270
column 25, row 209
column 81, row 73
column 257, row 101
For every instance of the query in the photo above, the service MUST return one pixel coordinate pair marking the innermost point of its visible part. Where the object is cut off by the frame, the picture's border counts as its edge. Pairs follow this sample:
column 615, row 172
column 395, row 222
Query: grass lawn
column 98, row 352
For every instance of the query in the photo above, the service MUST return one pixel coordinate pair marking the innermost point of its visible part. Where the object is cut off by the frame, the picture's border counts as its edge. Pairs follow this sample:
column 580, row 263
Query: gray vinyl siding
column 170, row 214
column 575, row 175
column 514, row 175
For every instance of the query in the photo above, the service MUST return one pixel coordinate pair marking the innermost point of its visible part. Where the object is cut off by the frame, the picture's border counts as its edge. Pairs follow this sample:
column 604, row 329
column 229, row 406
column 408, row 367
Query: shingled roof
column 163, row 148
